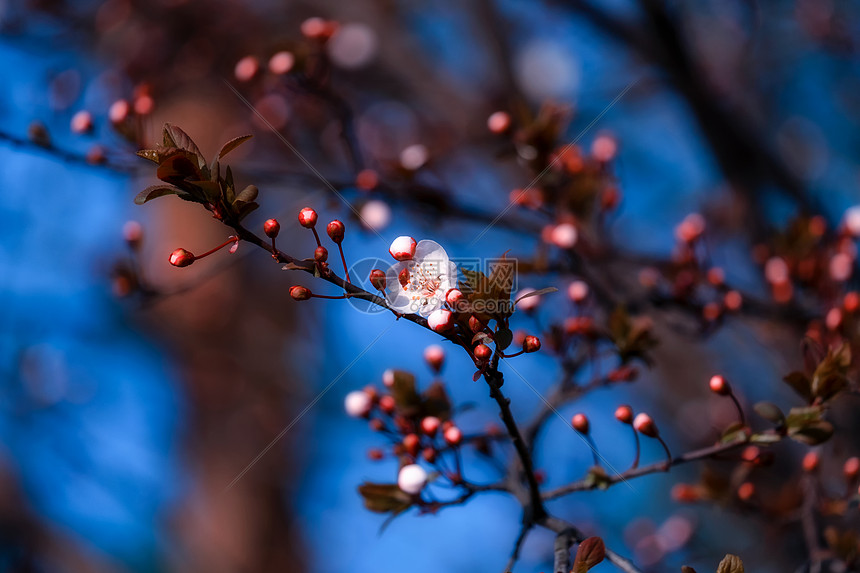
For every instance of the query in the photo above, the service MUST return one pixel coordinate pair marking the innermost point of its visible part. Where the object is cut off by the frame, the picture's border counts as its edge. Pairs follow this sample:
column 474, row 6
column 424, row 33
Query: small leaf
column 504, row 337
column 813, row 434
column 540, row 292
column 597, row 478
column 175, row 137
column 731, row 564
column 211, row 189
column 687, row 569
column 765, row 438
column 153, row 155
column 591, row 551
column 405, row 395
column 179, row 166
column 384, row 498
column 770, row 412
column 233, row 144
column 244, row 209
column 436, row 402
column 154, row 192
column 248, row 194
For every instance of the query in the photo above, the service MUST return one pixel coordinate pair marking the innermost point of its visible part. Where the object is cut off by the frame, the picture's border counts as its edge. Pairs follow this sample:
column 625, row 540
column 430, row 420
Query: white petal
column 431, row 251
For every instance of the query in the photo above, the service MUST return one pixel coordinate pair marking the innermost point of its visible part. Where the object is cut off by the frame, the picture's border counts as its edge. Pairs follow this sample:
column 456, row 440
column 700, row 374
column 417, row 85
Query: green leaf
column 770, row 412
column 731, row 564
column 154, row 192
column 233, row 144
column 384, row 498
column 591, row 551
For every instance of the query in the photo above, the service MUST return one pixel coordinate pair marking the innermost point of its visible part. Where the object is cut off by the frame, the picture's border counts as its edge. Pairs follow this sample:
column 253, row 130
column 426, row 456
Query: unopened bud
column 181, row 258
column 336, row 231
column 307, row 218
column 271, row 227
column 300, row 293
column 531, row 344
column 645, row 425
column 377, row 279
column 624, row 414
column 580, row 423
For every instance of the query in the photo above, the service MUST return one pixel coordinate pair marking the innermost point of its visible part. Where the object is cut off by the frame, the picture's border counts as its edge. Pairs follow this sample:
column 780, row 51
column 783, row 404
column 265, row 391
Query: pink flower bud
column 403, row 248
column 531, row 344
column 746, row 491
column 719, row 385
column 412, row 479
column 336, row 231
column 645, row 425
column 440, row 320
column 776, row 271
column 604, row 148
column 246, row 68
column 580, row 423
column 387, row 404
column 181, row 258
column 624, row 414
column 453, row 436
column 144, row 104
column 435, row 357
column 851, row 302
column 300, row 293
column 453, row 297
column 388, row 378
column 281, row 63
column 358, row 404
column 430, row 425
column 414, row 157
column 82, row 122
column 307, row 218
column 499, row 122
column 851, row 221
column 564, row 236
column 319, row 29
column 411, row 443
column 367, row 179
column 132, row 232
column 119, row 111
column 271, row 227
column 577, row 291
column 841, row 267
column 733, row 300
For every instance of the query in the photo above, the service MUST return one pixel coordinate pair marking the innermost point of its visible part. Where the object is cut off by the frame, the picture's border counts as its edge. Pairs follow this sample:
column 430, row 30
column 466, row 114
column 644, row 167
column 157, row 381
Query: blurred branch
column 657, row 467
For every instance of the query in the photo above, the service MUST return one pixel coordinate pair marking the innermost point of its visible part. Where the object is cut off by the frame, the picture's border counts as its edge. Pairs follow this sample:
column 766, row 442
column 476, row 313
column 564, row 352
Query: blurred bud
column 143, row 105
column 851, row 302
column 358, row 404
column 564, row 236
column 851, row 469
column 411, row 443
column 429, row 454
column 132, row 232
column 499, row 122
column 387, row 404
column 578, row 291
column 833, row 319
column 319, row 29
column 119, row 111
column 733, row 301
column 375, row 454
column 82, row 122
column 434, row 355
column 246, row 68
column 841, row 267
column 388, row 378
column 645, row 425
column 685, row 493
column 746, row 491
column 604, row 148
column 453, row 436
column 282, row 62
column 691, row 228
column 580, row 423
column 624, row 414
column 810, row 462
column 430, row 425
column 414, row 157
column 411, row 479
column 367, row 179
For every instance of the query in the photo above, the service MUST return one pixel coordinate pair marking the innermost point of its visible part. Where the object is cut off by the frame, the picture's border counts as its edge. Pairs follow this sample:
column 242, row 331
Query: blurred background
column 128, row 412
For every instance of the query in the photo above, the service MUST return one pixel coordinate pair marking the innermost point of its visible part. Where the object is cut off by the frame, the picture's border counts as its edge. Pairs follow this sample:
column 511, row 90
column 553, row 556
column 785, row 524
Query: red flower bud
column 810, row 462
column 181, row 258
column 580, row 423
column 320, row 254
column 851, row 469
column 132, row 231
column 271, row 227
column 429, row 454
column 531, row 344
column 483, row 353
column 435, row 357
column 387, row 404
column 375, row 454
column 685, row 493
column 645, row 425
column 377, row 279
column 411, row 443
column 300, row 293
column 307, row 218
column 624, row 414
column 719, row 386
column 335, row 231
column 377, row 425
column 746, row 491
